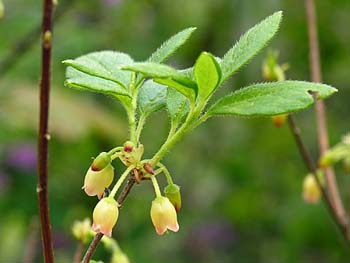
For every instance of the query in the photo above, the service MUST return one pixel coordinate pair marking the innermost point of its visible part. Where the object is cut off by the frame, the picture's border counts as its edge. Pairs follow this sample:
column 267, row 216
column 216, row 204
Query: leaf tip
column 67, row 83
column 277, row 17
column 67, row 61
column 124, row 67
column 278, row 14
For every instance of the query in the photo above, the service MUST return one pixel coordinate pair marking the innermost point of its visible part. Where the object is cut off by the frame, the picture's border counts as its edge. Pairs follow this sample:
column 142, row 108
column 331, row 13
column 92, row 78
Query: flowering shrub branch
column 146, row 87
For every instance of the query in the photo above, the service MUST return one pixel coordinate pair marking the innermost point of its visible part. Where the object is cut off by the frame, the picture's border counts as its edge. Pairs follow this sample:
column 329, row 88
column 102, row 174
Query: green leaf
column 82, row 81
column 168, row 76
column 177, row 105
column 151, row 97
column 207, row 73
column 249, row 45
column 185, row 87
column 98, row 72
column 150, row 69
column 171, row 45
column 104, row 65
column 269, row 99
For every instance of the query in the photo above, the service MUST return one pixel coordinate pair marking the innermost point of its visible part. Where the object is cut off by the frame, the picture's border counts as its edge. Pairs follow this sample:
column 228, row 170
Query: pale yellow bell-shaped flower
column 311, row 190
column 163, row 215
column 96, row 181
column 105, row 216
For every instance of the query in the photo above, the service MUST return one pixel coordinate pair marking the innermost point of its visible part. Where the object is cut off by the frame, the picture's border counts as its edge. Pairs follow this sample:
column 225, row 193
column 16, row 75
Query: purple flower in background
column 216, row 236
column 61, row 240
column 22, row 157
column 111, row 2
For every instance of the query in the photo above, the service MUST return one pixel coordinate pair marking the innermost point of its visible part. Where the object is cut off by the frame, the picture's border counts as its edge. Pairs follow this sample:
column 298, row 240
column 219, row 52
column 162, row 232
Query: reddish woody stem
column 315, row 70
column 43, row 138
column 97, row 238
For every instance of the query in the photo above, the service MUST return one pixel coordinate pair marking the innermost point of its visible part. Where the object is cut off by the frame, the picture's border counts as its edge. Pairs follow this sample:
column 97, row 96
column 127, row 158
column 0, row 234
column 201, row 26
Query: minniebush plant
column 145, row 87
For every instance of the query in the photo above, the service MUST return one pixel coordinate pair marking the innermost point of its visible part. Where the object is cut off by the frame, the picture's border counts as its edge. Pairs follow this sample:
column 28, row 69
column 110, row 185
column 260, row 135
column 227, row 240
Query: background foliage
column 241, row 178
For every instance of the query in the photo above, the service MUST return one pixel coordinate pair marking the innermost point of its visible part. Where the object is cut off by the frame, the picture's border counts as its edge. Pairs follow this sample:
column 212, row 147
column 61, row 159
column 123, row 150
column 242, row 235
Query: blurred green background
column 241, row 178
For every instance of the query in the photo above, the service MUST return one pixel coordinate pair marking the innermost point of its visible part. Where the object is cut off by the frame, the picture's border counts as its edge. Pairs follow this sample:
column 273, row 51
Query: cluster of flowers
column 100, row 176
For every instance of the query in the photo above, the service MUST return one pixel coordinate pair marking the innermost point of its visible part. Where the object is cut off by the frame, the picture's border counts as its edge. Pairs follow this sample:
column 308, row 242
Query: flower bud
column 128, row 146
column 96, row 182
column 163, row 215
column 279, row 120
column 101, row 161
column 105, row 216
column 172, row 192
column 271, row 70
column 81, row 230
column 148, row 168
column 311, row 190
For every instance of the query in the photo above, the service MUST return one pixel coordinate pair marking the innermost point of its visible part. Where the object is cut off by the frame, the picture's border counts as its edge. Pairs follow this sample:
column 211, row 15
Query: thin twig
column 92, row 247
column 43, row 138
column 78, row 252
column 315, row 69
column 97, row 238
column 305, row 153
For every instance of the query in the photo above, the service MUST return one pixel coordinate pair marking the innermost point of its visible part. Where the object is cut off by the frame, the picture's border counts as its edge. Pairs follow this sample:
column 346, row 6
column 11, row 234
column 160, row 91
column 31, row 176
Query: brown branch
column 43, row 138
column 305, row 153
column 315, row 69
column 97, row 238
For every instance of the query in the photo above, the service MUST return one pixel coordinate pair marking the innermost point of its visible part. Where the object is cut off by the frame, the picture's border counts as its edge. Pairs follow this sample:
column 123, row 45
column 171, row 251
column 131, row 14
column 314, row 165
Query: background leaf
column 268, row 99
column 207, row 73
column 249, row 45
column 177, row 105
column 151, row 97
column 171, row 45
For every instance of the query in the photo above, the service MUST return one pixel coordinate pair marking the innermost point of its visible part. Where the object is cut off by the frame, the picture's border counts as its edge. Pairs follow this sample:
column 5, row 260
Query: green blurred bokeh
column 241, row 178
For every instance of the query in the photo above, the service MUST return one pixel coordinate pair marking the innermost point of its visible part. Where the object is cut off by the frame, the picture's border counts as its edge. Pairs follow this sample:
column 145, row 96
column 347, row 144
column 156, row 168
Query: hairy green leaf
column 177, row 105
column 82, row 81
column 150, row 69
column 269, row 99
column 151, row 97
column 171, row 45
column 207, row 73
column 104, row 65
column 249, row 45
column 168, row 76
